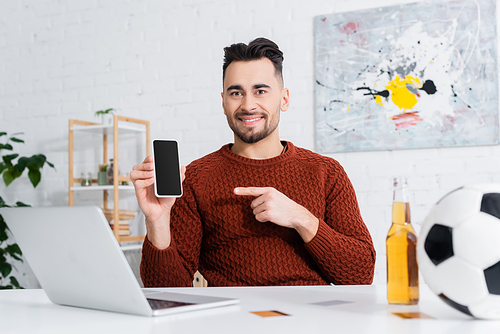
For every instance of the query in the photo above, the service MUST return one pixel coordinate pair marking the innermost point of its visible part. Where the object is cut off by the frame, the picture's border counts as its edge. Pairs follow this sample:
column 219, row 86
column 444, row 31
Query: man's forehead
column 250, row 73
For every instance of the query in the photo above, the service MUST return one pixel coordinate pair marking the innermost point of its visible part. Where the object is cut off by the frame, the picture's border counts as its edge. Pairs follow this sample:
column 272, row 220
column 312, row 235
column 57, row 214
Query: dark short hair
column 257, row 49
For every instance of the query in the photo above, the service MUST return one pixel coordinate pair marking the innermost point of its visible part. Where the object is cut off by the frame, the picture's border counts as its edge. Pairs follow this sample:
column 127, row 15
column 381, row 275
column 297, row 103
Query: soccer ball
column 459, row 250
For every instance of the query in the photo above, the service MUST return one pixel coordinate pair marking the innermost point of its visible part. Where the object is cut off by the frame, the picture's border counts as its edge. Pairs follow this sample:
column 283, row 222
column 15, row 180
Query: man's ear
column 285, row 99
column 222, row 96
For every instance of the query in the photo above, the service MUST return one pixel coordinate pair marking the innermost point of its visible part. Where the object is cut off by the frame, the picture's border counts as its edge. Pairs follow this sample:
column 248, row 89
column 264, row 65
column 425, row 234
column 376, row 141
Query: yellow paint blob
column 378, row 99
column 400, row 94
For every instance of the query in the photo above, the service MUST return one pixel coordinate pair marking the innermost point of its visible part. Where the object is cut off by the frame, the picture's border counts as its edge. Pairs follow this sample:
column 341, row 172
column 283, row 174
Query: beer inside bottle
column 401, row 242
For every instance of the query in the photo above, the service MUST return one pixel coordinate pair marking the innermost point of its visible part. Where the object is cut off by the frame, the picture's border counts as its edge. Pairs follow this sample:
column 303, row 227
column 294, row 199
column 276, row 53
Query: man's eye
column 261, row 91
column 235, row 93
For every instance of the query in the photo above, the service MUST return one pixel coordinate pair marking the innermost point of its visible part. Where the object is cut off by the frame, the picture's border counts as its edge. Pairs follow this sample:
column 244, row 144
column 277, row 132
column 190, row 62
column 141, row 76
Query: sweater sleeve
column 343, row 248
column 175, row 266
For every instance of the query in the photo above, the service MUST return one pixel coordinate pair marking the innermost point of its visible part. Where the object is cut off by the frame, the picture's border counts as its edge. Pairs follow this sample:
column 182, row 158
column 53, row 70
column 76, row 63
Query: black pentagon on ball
column 492, row 276
column 439, row 244
column 490, row 204
column 455, row 305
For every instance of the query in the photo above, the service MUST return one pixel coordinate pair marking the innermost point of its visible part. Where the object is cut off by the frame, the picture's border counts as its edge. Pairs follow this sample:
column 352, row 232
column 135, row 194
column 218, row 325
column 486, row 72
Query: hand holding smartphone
column 167, row 168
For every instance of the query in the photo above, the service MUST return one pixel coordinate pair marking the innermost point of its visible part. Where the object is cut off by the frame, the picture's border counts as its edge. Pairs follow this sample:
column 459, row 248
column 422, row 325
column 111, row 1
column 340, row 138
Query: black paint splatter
column 453, row 90
column 429, row 87
column 384, row 93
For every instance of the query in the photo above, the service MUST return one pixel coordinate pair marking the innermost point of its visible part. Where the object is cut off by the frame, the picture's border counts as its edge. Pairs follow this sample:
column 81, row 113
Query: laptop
column 78, row 262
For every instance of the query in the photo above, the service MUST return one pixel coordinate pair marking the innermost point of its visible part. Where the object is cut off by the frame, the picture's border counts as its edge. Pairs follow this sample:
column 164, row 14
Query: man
column 260, row 211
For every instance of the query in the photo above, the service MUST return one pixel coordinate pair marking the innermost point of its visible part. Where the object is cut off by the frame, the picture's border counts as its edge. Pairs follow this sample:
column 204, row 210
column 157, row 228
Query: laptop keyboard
column 159, row 304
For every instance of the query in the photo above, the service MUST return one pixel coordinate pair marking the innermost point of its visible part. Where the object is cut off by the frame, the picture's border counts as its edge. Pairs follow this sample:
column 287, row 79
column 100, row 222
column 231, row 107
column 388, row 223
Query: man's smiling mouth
column 251, row 120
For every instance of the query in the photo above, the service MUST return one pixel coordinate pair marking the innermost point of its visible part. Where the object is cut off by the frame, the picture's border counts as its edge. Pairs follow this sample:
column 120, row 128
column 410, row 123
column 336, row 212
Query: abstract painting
column 410, row 76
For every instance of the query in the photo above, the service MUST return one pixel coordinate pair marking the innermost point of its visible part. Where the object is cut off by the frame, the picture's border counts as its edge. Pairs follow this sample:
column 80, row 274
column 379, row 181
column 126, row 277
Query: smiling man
column 259, row 211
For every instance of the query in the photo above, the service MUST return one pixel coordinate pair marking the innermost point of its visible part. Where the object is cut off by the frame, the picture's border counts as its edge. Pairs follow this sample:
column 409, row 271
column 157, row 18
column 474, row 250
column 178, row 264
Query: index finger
column 147, row 164
column 250, row 191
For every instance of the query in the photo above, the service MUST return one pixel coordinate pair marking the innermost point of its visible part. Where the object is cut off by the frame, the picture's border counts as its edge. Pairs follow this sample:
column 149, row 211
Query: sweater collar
column 287, row 154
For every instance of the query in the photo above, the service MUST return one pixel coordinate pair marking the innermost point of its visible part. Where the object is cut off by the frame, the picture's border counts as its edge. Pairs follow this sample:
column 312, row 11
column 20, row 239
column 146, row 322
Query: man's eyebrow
column 234, row 87
column 256, row 86
column 261, row 85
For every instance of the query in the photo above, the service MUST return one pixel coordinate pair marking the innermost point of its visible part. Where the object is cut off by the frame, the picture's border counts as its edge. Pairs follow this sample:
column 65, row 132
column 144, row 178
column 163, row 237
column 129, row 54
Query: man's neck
column 267, row 148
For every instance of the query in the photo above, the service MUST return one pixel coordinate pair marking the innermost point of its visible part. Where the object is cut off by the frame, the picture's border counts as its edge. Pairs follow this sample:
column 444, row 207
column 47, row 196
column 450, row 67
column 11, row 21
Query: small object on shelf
column 102, row 179
column 106, row 115
column 86, row 180
column 124, row 183
column 109, row 172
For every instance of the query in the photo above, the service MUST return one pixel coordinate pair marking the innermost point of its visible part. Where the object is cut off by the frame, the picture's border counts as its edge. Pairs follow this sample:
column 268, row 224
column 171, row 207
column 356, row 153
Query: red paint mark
column 450, row 119
column 448, row 124
column 349, row 28
column 323, row 19
column 405, row 120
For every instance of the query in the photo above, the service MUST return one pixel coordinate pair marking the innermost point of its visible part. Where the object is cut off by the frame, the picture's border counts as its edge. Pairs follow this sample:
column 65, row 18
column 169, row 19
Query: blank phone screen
column 167, row 169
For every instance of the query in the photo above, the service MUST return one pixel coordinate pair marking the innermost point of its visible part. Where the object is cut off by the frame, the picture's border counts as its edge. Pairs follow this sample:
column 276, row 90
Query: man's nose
column 248, row 103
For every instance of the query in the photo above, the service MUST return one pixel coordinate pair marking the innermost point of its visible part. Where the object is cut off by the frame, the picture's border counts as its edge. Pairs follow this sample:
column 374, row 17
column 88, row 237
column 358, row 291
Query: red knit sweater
column 214, row 231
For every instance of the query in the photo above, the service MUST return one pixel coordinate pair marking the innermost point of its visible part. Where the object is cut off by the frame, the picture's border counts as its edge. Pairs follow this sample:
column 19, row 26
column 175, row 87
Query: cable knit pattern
column 214, row 230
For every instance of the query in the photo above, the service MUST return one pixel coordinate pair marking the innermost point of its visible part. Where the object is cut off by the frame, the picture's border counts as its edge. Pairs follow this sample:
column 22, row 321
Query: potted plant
column 106, row 115
column 11, row 170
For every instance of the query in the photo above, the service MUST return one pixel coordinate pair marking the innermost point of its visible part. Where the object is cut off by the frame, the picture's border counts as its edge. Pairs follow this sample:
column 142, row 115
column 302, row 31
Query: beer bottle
column 401, row 243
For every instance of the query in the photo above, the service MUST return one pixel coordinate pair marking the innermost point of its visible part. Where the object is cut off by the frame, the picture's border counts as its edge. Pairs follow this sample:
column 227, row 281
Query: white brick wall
column 161, row 61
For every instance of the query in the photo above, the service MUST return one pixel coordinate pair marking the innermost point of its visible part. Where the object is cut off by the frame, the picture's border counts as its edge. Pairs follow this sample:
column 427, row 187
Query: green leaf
column 17, row 257
column 8, row 158
column 7, row 287
column 13, row 250
column 21, row 204
column 3, row 225
column 6, row 147
column 38, row 160
column 50, row 164
column 14, row 282
column 2, row 205
column 3, row 235
column 22, row 162
column 35, row 176
column 3, row 134
column 16, row 140
column 15, row 173
column 5, row 269
column 8, row 177
column 3, row 229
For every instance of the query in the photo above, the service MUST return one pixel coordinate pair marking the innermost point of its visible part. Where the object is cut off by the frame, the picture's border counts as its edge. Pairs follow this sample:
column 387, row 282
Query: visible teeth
column 250, row 120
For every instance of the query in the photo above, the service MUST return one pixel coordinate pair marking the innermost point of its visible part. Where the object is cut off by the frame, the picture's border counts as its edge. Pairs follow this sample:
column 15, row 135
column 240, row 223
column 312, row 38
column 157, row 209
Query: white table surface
column 345, row 309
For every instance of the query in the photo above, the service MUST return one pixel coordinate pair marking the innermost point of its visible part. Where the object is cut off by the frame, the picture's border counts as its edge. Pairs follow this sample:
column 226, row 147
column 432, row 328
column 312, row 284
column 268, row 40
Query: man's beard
column 250, row 137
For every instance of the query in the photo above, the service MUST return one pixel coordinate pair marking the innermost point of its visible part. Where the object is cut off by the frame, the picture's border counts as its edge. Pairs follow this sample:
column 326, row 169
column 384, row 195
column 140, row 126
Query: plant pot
column 107, row 119
column 102, row 179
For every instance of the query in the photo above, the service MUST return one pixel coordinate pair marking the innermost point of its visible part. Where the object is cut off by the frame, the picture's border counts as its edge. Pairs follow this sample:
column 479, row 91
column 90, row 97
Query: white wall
column 161, row 61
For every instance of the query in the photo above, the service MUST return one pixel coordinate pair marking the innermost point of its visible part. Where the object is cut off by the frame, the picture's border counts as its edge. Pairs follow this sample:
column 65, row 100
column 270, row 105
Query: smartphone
column 167, row 168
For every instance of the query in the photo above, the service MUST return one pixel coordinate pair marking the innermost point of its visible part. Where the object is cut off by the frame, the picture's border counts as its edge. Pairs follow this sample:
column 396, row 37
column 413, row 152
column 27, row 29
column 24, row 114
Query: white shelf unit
column 122, row 125
column 94, row 187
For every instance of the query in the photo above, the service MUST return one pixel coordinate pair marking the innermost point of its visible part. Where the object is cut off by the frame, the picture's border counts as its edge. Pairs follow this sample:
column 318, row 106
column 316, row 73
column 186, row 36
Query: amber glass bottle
column 401, row 242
